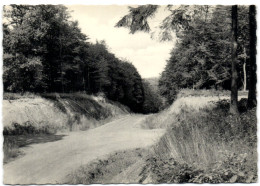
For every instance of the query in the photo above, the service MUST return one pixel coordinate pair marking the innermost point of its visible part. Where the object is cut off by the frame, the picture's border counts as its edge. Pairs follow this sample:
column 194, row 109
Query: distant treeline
column 44, row 51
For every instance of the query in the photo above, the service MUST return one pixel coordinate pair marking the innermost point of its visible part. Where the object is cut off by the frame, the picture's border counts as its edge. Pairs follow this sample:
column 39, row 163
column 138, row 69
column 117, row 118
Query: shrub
column 170, row 170
column 28, row 128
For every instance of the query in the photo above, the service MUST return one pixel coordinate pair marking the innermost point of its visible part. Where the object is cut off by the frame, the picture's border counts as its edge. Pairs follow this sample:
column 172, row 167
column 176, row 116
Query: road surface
column 50, row 163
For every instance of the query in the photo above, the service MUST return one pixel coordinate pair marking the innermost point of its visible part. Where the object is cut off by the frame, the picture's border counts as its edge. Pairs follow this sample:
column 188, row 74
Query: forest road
column 50, row 163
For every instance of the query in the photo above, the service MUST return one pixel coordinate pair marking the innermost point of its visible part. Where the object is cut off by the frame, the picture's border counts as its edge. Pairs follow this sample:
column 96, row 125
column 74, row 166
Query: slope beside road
column 51, row 162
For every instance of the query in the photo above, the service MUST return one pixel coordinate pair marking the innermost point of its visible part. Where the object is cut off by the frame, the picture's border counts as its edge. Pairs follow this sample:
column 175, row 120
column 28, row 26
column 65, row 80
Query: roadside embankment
column 31, row 118
column 50, row 113
column 203, row 144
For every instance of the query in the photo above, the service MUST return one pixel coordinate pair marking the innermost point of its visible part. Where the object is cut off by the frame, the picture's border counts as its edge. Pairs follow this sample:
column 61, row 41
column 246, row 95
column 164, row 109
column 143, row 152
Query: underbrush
column 11, row 150
column 207, row 93
column 78, row 103
column 29, row 128
column 207, row 145
column 104, row 171
column 15, row 96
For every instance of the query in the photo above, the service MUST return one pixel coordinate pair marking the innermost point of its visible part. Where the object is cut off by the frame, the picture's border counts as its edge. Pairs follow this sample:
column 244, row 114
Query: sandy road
column 51, row 162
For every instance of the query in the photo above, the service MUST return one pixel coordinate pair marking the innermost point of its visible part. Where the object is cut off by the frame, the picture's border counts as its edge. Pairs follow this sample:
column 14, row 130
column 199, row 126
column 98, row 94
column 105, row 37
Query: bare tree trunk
column 244, row 70
column 252, row 79
column 234, row 77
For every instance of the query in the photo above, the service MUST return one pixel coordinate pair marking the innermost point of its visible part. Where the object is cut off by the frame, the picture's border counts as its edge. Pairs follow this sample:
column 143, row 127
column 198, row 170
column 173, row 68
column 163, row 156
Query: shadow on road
column 13, row 143
column 25, row 140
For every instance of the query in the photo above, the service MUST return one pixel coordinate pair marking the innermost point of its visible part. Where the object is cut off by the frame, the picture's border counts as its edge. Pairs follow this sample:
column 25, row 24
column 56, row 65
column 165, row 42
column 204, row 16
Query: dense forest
column 201, row 60
column 44, row 51
column 215, row 48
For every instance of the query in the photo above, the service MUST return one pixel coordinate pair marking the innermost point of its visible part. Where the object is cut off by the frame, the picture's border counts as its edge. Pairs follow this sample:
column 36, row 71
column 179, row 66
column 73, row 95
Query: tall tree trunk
column 252, row 63
column 244, row 70
column 234, row 77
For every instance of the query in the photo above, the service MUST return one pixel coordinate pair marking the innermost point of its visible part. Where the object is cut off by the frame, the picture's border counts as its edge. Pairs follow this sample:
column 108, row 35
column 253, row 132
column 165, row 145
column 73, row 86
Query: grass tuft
column 108, row 169
column 208, row 144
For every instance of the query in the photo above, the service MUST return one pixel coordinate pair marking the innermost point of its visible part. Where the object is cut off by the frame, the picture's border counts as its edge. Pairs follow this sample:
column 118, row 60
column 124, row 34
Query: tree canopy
column 45, row 51
column 202, row 56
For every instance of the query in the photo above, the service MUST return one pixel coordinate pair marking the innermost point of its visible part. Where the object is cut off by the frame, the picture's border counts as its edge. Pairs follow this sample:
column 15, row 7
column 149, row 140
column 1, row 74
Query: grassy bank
column 49, row 113
column 120, row 167
column 204, row 144
column 26, row 116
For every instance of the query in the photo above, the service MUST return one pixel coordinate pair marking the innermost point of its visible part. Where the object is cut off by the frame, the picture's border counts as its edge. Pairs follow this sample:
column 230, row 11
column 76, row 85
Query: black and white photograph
column 129, row 93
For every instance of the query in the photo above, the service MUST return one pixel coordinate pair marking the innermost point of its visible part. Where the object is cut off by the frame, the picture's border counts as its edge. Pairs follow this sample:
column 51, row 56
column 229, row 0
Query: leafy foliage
column 153, row 102
column 44, row 51
column 201, row 58
column 231, row 170
column 136, row 20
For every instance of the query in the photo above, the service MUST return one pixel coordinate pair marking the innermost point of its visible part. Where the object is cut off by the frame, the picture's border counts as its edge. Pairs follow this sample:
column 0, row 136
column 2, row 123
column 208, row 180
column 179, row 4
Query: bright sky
column 147, row 55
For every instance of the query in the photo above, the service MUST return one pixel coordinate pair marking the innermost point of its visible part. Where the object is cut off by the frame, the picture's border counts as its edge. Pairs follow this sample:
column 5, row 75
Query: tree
column 136, row 20
column 252, row 81
column 23, row 66
column 44, row 51
column 201, row 59
column 243, row 45
column 202, row 55
column 234, row 89
column 152, row 101
column 40, row 39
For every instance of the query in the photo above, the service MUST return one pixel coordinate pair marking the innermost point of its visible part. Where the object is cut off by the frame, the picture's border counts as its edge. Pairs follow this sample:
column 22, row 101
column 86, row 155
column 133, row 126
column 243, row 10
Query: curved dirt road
column 51, row 162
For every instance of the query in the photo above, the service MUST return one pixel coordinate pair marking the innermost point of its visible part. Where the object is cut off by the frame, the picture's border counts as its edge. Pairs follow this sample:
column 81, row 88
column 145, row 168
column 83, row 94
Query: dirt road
column 50, row 163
